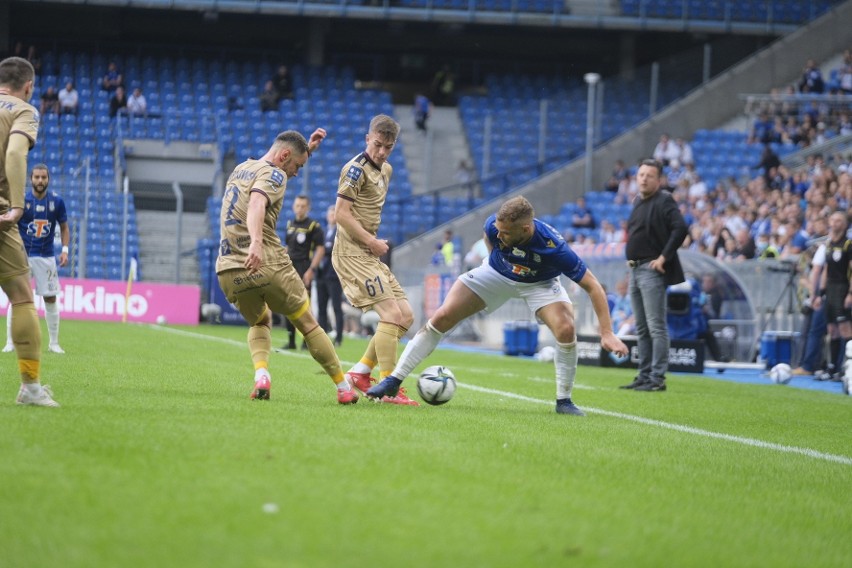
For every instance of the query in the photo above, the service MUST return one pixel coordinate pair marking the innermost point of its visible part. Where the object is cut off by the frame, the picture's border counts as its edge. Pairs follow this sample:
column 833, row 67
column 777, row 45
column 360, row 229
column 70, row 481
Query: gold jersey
column 249, row 177
column 16, row 117
column 366, row 185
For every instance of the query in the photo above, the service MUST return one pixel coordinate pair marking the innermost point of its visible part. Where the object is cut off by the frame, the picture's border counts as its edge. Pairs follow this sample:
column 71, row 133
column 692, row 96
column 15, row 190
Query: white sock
column 51, row 315
column 260, row 373
column 9, row 325
column 360, row 367
column 344, row 385
column 565, row 362
column 33, row 388
column 417, row 349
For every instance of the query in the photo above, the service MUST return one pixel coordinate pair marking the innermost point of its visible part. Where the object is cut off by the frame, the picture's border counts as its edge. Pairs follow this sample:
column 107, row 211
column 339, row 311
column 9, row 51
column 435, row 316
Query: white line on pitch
column 845, row 460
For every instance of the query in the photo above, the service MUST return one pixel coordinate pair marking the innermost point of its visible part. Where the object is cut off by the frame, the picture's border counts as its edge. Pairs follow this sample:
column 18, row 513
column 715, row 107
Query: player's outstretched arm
column 609, row 341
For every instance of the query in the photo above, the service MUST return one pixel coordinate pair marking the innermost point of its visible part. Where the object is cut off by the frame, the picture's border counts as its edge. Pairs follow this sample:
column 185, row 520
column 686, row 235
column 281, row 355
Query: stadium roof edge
column 343, row 10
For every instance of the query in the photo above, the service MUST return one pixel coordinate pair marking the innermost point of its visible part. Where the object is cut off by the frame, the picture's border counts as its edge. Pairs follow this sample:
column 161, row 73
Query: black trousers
column 329, row 289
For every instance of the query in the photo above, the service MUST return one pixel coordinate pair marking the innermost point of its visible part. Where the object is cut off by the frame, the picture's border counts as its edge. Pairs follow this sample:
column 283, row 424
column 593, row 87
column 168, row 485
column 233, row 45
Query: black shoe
column 638, row 381
column 651, row 387
column 288, row 346
column 304, row 346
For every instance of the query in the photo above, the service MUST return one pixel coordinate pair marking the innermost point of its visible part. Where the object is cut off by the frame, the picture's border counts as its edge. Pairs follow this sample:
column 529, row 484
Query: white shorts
column 43, row 271
column 495, row 289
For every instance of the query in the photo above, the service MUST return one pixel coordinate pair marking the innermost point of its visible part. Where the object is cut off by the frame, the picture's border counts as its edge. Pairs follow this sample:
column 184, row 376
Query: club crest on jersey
column 836, row 255
column 518, row 252
column 51, row 206
column 536, row 258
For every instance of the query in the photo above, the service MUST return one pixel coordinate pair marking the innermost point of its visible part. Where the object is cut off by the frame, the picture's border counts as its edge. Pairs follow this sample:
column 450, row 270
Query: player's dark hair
column 293, row 139
column 515, row 209
column 304, row 197
column 40, row 167
column 15, row 72
column 653, row 164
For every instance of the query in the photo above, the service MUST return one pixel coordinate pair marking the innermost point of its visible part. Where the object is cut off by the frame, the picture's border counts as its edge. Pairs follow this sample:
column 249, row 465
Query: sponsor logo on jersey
column 277, row 178
column 522, row 270
column 39, row 208
column 518, row 252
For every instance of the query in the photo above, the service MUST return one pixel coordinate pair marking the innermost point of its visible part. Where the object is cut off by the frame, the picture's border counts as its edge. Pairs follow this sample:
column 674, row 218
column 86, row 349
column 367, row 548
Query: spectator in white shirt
column 685, row 150
column 666, row 150
column 136, row 104
column 68, row 99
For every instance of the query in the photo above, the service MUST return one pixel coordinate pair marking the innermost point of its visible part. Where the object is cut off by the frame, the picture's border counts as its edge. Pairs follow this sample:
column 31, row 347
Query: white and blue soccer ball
column 436, row 385
column 781, row 373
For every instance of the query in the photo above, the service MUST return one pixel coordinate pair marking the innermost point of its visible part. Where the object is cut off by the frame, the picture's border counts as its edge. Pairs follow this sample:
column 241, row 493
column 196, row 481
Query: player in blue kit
column 44, row 211
column 525, row 261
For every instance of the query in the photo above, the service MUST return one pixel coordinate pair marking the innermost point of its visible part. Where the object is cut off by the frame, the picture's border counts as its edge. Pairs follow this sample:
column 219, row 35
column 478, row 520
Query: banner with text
column 110, row 300
column 684, row 356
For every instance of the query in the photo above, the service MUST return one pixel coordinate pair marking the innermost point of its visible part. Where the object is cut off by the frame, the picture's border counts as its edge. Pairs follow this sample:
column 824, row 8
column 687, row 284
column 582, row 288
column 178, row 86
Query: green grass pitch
column 158, row 458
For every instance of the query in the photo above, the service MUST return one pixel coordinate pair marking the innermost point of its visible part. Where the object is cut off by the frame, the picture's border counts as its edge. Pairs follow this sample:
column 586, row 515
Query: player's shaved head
column 292, row 139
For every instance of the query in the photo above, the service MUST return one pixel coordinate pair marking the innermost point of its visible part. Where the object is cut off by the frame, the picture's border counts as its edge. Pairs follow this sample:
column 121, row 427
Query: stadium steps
column 448, row 147
column 157, row 238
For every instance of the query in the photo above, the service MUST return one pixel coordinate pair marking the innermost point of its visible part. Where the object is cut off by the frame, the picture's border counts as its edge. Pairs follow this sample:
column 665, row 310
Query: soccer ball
column 436, row 385
column 546, row 354
column 781, row 373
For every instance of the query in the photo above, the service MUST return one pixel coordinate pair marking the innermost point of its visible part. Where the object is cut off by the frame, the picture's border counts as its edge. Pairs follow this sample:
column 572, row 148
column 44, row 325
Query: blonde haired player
column 18, row 132
column 368, row 282
column 253, row 267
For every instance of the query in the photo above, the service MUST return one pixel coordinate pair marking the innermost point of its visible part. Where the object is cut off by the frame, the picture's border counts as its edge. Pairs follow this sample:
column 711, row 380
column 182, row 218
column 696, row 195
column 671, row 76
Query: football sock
column 368, row 359
column 417, row 349
column 565, row 362
column 841, row 356
column 9, row 325
column 387, row 341
column 322, row 350
column 260, row 344
column 261, row 370
column 834, row 348
column 51, row 315
column 26, row 334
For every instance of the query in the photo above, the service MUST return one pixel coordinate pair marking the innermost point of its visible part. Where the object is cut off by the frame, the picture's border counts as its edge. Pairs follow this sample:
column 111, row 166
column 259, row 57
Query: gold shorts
column 366, row 280
column 277, row 287
column 13, row 257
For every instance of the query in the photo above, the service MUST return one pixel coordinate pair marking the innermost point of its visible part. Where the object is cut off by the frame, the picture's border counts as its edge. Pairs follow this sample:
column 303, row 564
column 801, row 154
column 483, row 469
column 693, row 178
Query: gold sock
column 369, row 356
column 26, row 334
column 322, row 350
column 260, row 344
column 387, row 340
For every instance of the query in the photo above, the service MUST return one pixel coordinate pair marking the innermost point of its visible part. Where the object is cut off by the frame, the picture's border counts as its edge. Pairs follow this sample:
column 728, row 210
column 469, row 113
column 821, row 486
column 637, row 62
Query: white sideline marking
column 844, row 460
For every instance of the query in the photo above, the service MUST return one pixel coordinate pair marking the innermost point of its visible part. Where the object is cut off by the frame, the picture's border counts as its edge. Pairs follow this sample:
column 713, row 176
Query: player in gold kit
column 253, row 267
column 368, row 282
column 18, row 132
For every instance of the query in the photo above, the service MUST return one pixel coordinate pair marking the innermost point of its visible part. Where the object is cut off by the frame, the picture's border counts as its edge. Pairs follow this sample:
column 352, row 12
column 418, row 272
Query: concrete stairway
column 432, row 157
column 157, row 245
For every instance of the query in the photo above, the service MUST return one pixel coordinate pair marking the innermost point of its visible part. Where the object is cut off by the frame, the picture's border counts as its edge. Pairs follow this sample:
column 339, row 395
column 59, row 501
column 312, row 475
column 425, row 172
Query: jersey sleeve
column 26, row 123
column 270, row 181
column 61, row 212
column 490, row 230
column 351, row 180
column 317, row 235
column 569, row 263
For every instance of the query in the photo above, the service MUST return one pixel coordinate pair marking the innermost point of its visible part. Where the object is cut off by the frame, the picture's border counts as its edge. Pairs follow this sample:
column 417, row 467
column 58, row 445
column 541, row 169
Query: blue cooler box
column 777, row 347
column 520, row 338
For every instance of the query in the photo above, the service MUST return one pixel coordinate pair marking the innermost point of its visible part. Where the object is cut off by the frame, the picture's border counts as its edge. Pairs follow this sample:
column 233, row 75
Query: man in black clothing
column 655, row 230
column 836, row 294
column 305, row 246
column 328, row 284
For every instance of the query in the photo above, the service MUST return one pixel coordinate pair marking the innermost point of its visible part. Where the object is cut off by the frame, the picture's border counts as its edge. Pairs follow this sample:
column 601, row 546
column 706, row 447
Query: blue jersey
column 40, row 221
column 546, row 255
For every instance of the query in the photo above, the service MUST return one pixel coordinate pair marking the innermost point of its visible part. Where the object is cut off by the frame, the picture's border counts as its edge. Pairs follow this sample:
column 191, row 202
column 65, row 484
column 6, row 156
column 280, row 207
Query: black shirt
column 302, row 238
